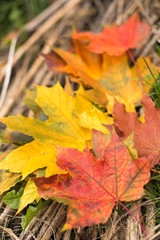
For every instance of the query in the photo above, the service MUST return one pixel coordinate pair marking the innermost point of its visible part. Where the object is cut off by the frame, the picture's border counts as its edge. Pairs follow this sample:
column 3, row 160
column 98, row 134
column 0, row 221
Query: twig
column 8, row 70
column 119, row 11
column 37, row 21
column 154, row 237
column 110, row 13
column 148, row 47
column 41, row 31
column 10, row 232
column 67, row 235
column 128, row 10
column 38, row 62
column 150, row 219
column 100, row 6
column 140, row 5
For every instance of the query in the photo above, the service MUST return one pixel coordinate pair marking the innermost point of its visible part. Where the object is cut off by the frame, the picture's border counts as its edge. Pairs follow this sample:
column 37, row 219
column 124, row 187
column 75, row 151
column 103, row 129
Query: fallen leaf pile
column 88, row 149
column 94, row 185
column 108, row 73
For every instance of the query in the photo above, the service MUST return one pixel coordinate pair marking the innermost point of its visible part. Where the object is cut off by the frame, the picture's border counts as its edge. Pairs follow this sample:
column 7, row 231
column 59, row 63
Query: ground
column 54, row 27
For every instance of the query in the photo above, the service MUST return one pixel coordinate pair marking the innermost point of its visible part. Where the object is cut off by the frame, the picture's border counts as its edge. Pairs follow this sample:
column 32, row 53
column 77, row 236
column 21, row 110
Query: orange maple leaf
column 147, row 134
column 104, row 73
column 94, row 185
column 116, row 40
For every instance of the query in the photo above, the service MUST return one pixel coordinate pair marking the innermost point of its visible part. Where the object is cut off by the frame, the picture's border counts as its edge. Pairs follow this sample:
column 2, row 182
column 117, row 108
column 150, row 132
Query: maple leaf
column 115, row 40
column 30, row 193
column 64, row 127
column 30, row 96
column 17, row 138
column 30, row 157
column 68, row 88
column 94, row 185
column 90, row 116
column 147, row 134
column 104, row 73
column 61, row 128
column 8, row 180
column 129, row 105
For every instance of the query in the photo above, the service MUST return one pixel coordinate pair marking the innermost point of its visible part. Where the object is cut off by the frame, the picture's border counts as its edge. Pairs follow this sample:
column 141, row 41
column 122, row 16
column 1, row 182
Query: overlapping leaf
column 115, row 40
column 90, row 174
column 28, row 158
column 90, row 116
column 8, row 180
column 94, row 185
column 105, row 74
column 29, row 195
column 147, row 134
column 63, row 128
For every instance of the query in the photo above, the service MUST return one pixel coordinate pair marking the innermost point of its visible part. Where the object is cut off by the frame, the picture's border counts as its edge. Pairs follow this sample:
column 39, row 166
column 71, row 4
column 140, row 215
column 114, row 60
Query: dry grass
column 25, row 67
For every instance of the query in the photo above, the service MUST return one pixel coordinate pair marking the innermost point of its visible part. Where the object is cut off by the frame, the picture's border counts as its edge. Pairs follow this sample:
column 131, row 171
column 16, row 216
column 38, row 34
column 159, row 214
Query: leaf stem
column 137, row 220
column 142, row 220
column 138, row 70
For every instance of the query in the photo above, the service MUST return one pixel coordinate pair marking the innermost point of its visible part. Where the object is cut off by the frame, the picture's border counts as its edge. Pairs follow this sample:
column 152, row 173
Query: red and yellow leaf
column 70, row 122
column 61, row 128
column 105, row 74
column 94, row 185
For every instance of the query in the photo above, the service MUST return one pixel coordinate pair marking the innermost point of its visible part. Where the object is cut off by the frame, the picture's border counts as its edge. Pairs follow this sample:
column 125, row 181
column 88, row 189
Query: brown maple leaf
column 94, row 185
column 147, row 134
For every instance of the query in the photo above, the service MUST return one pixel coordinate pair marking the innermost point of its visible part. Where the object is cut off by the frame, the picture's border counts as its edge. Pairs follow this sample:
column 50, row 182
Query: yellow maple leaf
column 111, row 100
column 8, row 180
column 62, row 128
column 90, row 116
column 29, row 195
column 68, row 88
column 61, row 108
column 30, row 157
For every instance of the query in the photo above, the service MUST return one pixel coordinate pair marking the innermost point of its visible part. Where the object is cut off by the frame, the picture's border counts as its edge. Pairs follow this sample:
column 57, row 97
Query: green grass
column 152, row 189
column 155, row 91
column 15, row 13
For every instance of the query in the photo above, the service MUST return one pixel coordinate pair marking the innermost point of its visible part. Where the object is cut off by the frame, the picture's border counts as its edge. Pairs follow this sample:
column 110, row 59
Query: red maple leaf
column 115, row 40
column 94, row 185
column 147, row 134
